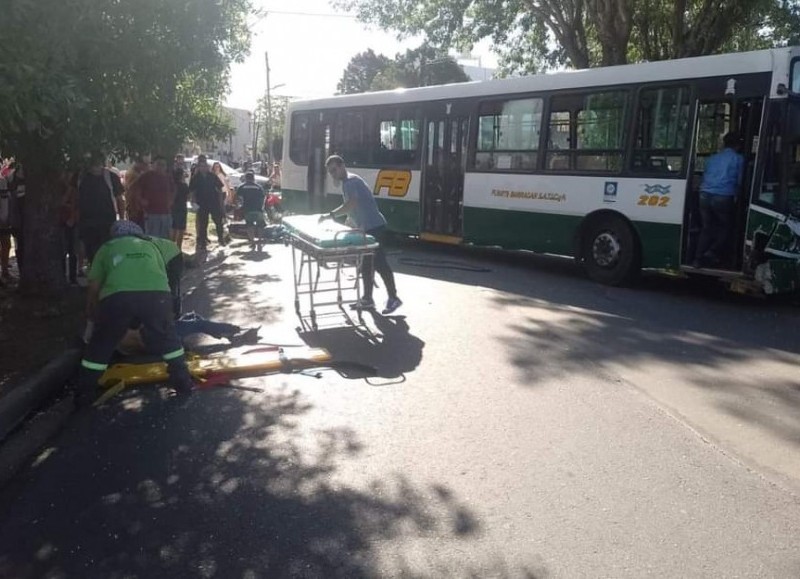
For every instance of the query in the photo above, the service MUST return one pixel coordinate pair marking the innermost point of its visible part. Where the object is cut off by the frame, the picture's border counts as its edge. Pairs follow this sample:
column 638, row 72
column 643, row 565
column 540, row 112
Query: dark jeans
column 717, row 212
column 174, row 274
column 379, row 263
column 202, row 224
column 117, row 313
column 93, row 235
column 71, row 252
column 192, row 323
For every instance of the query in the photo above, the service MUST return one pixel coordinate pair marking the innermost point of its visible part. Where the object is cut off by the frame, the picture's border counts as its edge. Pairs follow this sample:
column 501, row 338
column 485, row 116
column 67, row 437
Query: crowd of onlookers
column 154, row 194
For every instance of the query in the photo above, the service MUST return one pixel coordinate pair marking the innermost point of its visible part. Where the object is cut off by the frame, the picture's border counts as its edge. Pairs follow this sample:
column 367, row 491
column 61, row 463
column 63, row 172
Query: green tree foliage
column 277, row 118
column 361, row 71
column 422, row 66
column 532, row 35
column 110, row 76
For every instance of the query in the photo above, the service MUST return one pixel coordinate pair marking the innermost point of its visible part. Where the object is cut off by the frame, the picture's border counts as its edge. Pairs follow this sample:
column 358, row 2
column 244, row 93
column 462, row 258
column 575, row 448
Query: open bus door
column 319, row 149
column 443, row 169
column 773, row 224
column 714, row 119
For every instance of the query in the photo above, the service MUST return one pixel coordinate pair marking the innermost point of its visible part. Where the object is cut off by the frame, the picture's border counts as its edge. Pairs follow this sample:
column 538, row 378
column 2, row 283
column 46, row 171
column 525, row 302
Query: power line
column 317, row 14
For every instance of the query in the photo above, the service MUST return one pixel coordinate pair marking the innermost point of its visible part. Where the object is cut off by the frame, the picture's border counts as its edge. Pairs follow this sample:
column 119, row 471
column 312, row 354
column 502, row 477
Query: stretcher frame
column 311, row 263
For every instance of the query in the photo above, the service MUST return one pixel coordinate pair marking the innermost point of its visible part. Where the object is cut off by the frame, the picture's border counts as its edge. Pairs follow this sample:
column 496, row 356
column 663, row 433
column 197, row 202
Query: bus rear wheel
column 610, row 250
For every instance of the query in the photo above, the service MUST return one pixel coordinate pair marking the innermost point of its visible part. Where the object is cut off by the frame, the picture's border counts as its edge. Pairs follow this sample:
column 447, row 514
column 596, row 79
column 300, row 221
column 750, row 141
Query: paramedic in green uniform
column 173, row 259
column 128, row 286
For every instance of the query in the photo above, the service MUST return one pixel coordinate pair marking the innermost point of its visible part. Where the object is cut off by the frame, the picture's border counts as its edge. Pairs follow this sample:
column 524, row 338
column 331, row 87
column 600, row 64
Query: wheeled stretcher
column 327, row 259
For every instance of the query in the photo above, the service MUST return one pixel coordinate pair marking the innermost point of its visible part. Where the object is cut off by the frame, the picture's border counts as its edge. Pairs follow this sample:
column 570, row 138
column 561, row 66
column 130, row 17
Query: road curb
column 19, row 448
column 37, row 389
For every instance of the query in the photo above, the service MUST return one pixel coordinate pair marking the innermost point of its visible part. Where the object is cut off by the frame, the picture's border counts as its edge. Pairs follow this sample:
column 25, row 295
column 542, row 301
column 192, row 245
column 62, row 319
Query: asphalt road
column 523, row 422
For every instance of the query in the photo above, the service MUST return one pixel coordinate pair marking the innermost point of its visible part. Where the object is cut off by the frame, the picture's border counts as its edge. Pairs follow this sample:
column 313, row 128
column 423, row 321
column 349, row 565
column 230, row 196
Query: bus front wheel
column 610, row 250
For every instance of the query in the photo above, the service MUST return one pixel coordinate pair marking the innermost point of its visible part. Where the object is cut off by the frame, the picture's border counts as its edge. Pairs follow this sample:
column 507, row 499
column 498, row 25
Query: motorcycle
column 272, row 206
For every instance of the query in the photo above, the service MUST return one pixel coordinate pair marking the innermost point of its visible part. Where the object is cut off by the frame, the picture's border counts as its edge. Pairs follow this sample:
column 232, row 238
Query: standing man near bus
column 206, row 190
column 359, row 205
column 100, row 200
column 252, row 196
column 156, row 195
column 721, row 181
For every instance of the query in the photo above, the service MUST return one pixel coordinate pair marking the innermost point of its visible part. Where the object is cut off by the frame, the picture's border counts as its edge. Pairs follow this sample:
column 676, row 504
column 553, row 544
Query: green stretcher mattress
column 328, row 234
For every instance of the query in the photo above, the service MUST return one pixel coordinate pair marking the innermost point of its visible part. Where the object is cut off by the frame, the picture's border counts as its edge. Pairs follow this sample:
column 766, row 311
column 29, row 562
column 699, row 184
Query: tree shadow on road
column 233, row 483
column 393, row 350
column 559, row 323
column 225, row 485
column 227, row 291
column 773, row 405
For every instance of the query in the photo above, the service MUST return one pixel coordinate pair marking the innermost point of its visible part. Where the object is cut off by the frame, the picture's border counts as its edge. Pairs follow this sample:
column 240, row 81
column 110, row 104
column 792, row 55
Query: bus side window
column 300, row 138
column 662, row 128
column 713, row 123
column 559, row 139
column 398, row 142
column 586, row 132
column 508, row 134
column 350, row 138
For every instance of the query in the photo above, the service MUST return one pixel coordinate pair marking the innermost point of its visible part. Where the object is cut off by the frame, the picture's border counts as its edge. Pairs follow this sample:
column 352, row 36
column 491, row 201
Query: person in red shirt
column 156, row 191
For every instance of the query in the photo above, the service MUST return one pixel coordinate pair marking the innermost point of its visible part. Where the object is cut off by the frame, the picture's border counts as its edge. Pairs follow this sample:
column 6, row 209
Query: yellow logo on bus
column 396, row 182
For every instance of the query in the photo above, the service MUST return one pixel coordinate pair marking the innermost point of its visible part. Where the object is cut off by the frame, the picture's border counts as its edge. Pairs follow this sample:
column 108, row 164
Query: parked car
column 235, row 177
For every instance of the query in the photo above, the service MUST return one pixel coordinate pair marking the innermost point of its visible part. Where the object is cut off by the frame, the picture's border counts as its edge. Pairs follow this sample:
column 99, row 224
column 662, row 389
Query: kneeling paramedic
column 128, row 285
column 173, row 261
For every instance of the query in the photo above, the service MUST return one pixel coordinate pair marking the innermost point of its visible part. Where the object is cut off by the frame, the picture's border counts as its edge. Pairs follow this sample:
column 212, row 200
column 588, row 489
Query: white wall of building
column 239, row 146
column 478, row 72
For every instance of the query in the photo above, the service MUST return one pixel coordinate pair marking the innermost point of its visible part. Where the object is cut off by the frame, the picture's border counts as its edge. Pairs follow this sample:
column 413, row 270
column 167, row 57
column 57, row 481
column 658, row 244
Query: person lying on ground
column 188, row 325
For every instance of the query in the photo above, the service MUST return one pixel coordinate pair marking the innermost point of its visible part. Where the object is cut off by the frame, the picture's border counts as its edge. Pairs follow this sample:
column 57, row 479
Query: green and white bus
column 602, row 164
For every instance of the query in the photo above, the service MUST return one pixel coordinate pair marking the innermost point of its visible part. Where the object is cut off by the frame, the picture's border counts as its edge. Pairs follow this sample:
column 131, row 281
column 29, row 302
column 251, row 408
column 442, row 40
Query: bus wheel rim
column 606, row 249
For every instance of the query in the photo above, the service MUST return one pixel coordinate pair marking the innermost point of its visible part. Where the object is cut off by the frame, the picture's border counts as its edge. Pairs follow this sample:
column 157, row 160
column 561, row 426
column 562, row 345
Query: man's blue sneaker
column 391, row 305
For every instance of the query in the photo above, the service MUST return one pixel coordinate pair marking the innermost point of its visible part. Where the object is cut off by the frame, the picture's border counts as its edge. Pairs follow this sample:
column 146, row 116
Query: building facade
column 238, row 147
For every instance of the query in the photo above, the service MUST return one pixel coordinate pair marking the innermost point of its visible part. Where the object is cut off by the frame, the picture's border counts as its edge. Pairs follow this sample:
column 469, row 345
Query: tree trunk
column 565, row 21
column 613, row 23
column 43, row 273
column 679, row 28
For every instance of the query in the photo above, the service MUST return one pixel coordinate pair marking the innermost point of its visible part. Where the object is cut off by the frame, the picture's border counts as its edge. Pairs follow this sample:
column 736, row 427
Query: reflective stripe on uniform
column 93, row 365
column 173, row 355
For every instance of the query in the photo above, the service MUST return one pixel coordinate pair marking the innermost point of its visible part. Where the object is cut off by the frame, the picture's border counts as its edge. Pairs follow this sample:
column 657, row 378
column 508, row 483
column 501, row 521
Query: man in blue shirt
column 721, row 181
column 360, row 206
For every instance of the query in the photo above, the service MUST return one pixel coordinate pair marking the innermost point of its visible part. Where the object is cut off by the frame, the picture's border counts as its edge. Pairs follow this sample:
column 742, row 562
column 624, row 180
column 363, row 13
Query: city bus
column 603, row 164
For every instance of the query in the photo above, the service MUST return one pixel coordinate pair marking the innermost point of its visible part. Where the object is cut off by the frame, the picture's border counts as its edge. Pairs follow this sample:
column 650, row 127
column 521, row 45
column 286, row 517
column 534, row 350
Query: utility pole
column 256, row 126
column 269, row 112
